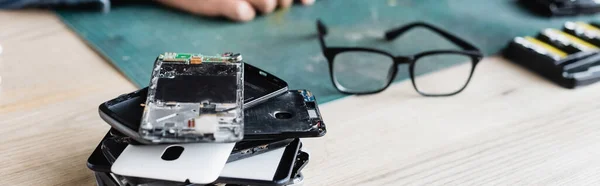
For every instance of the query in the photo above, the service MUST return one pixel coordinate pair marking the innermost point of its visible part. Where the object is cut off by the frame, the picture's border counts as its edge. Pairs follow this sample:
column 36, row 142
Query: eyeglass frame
column 468, row 50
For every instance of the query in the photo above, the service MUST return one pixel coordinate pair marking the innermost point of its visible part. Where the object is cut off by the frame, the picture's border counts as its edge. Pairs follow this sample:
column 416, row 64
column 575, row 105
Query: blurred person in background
column 237, row 10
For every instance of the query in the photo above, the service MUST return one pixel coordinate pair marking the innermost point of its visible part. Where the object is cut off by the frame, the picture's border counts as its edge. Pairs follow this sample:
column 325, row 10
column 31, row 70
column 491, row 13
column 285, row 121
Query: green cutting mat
column 285, row 43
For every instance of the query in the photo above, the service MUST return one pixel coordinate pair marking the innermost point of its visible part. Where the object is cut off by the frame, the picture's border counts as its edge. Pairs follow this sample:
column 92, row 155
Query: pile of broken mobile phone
column 206, row 120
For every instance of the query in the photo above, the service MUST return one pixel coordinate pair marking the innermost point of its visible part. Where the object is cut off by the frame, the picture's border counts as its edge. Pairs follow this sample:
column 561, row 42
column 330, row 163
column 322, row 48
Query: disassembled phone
column 192, row 98
column 271, row 168
column 194, row 162
column 124, row 112
column 110, row 148
column 274, row 167
column 294, row 114
column 110, row 179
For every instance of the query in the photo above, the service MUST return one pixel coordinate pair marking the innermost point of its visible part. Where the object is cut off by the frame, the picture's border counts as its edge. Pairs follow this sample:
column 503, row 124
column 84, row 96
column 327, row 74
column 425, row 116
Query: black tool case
column 567, row 69
column 576, row 70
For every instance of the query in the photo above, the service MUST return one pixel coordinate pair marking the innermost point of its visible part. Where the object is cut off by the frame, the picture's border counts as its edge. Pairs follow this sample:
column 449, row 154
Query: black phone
column 124, row 113
column 294, row 114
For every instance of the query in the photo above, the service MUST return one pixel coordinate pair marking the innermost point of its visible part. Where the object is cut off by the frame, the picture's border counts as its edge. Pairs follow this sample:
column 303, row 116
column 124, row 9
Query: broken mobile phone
column 274, row 167
column 124, row 112
column 112, row 148
column 194, row 98
column 294, row 114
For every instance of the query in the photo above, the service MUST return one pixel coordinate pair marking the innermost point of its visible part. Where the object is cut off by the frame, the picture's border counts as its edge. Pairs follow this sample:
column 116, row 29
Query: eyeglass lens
column 361, row 72
column 454, row 76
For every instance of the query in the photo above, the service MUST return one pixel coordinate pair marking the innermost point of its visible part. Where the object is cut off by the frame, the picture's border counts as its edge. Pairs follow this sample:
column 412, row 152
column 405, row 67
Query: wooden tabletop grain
column 509, row 127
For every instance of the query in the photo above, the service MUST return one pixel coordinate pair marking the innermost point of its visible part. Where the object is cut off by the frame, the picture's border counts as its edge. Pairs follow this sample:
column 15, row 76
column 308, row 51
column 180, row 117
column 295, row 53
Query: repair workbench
column 509, row 127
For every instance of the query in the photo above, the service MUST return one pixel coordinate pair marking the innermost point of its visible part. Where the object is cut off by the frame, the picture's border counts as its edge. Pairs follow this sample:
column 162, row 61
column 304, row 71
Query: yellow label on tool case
column 573, row 39
column 548, row 47
column 587, row 26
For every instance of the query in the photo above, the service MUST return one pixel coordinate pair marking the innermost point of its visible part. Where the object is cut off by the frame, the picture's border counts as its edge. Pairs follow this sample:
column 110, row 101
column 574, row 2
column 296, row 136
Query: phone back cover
column 199, row 163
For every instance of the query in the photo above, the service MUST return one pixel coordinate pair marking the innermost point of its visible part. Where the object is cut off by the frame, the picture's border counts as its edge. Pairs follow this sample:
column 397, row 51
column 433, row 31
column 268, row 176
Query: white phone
column 274, row 167
column 199, row 163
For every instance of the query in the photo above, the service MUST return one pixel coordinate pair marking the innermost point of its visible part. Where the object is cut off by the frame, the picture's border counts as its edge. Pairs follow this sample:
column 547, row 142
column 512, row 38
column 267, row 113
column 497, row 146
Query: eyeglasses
column 366, row 71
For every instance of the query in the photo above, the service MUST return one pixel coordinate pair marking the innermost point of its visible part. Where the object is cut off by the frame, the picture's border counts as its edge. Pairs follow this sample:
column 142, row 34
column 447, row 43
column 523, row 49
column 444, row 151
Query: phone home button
column 172, row 153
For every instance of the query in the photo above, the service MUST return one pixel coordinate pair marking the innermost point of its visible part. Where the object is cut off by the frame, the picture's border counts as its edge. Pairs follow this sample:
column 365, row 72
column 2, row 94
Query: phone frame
column 252, row 73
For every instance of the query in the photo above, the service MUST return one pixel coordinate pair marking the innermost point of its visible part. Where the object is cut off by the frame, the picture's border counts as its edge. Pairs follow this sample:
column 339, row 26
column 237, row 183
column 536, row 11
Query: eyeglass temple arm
column 322, row 29
column 394, row 33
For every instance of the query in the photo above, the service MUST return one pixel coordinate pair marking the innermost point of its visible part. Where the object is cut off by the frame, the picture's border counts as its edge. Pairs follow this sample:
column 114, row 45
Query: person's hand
column 238, row 10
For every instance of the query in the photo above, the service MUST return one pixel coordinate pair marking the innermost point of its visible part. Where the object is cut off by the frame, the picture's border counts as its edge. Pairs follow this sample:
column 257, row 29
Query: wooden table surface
column 508, row 127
